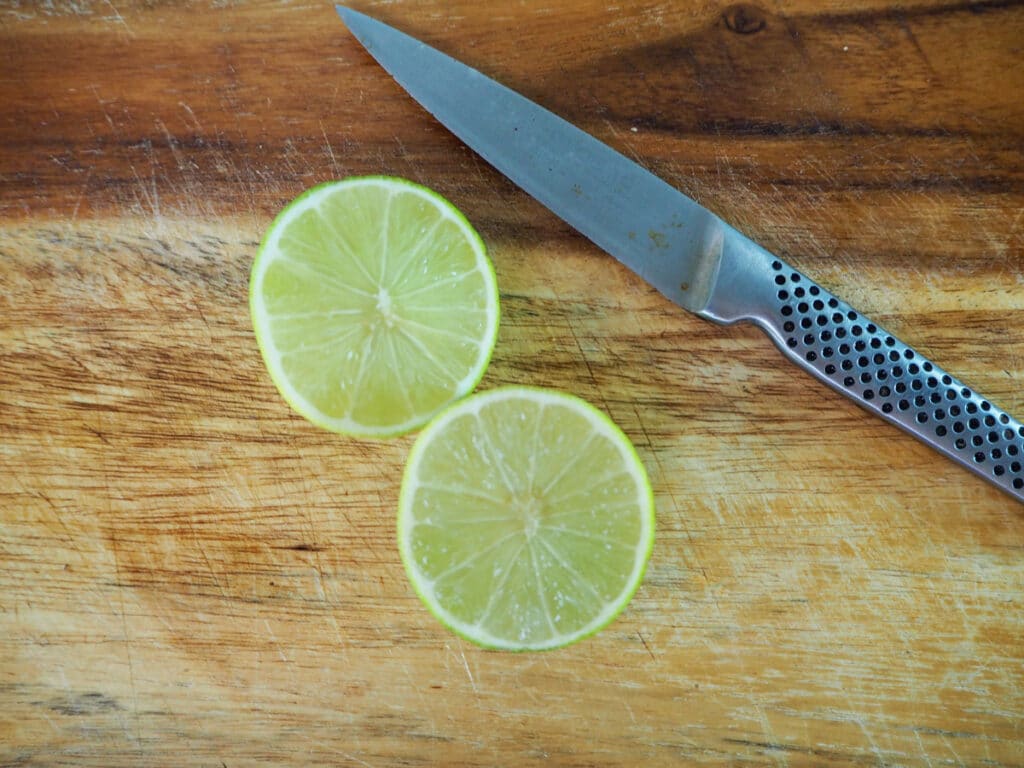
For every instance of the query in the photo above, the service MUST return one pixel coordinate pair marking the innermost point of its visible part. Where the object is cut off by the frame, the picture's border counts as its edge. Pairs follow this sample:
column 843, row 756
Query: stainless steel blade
column 698, row 261
column 665, row 237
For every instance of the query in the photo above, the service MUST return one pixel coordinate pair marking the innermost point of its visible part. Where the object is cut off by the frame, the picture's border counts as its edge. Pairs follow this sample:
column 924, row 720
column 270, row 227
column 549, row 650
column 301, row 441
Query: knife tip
column 347, row 14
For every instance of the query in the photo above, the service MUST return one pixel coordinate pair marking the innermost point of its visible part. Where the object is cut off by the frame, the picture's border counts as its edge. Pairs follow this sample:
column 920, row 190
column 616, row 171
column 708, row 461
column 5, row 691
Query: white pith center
column 531, row 508
column 384, row 307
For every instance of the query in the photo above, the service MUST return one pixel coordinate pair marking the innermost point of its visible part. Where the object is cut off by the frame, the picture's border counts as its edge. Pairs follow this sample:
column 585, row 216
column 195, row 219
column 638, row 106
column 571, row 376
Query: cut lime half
column 374, row 305
column 526, row 519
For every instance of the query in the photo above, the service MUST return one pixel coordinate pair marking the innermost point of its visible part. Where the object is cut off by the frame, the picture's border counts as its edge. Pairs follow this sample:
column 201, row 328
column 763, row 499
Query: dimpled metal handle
column 859, row 358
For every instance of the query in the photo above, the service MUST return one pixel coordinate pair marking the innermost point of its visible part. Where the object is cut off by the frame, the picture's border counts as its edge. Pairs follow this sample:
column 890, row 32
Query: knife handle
column 857, row 357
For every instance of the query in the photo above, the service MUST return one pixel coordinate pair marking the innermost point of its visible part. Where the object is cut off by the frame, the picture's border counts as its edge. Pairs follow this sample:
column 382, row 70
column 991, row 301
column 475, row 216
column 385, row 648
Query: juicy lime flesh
column 526, row 519
column 377, row 305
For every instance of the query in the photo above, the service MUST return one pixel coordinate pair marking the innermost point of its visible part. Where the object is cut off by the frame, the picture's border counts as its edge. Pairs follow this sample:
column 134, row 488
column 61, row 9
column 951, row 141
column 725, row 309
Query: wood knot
column 744, row 19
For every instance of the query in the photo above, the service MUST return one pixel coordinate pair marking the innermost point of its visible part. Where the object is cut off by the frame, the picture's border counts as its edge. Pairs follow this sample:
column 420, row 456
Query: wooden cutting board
column 193, row 575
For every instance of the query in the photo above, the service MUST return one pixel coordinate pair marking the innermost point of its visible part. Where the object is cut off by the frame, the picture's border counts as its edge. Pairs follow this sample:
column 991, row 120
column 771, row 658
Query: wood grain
column 193, row 575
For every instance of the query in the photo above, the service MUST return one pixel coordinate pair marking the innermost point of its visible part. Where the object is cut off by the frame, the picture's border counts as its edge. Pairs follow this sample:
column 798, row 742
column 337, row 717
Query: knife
column 697, row 260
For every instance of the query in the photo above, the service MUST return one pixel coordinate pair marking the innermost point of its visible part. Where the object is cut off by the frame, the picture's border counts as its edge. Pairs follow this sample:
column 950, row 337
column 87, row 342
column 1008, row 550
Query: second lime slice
column 526, row 519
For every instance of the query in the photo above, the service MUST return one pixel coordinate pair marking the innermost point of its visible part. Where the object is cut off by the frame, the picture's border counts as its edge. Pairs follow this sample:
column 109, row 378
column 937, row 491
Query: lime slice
column 374, row 305
column 525, row 519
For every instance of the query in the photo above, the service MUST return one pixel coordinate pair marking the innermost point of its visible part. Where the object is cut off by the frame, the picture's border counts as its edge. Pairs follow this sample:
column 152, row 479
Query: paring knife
column 697, row 260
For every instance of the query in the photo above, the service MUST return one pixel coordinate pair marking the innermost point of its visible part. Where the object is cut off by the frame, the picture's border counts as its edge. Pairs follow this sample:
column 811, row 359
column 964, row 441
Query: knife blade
column 697, row 260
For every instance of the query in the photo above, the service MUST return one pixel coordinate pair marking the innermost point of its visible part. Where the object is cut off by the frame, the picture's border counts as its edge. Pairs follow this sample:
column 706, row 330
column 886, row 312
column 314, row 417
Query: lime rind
column 603, row 425
column 262, row 316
